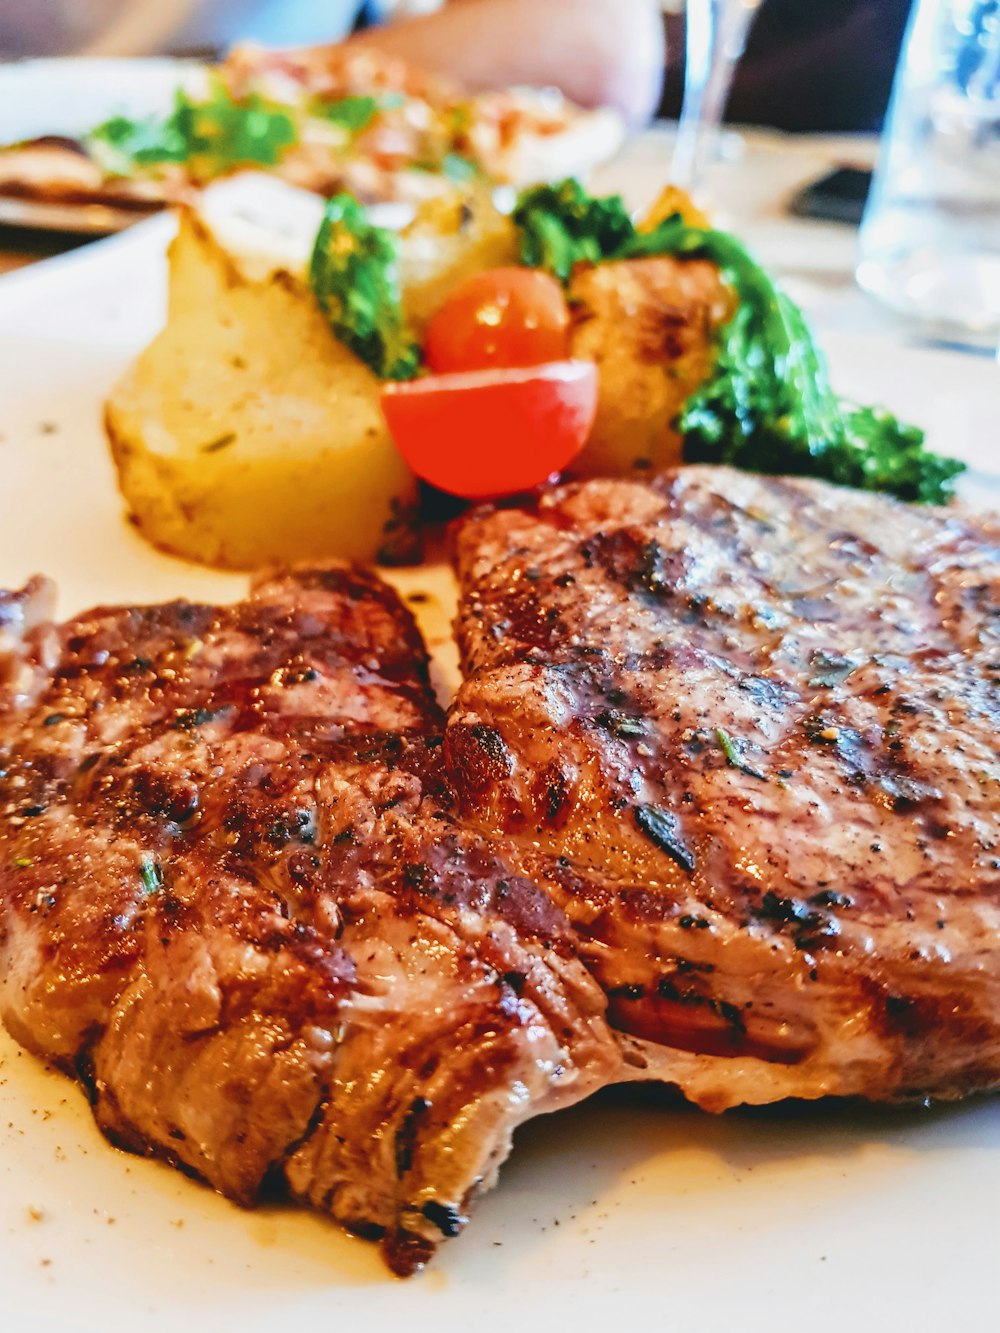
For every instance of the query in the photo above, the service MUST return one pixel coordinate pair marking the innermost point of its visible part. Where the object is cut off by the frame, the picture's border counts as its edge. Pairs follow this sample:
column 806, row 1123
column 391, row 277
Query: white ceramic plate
column 629, row 1210
column 71, row 96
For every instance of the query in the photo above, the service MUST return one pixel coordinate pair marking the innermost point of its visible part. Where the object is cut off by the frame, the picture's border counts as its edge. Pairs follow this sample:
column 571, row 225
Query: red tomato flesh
column 485, row 433
column 501, row 317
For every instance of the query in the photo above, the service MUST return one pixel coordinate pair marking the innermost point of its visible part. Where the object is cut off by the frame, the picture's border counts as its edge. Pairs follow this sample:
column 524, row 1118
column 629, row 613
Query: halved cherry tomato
column 483, row 433
column 501, row 317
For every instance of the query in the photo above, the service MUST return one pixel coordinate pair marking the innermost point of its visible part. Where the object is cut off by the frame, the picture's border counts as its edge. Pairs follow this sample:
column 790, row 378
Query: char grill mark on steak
column 235, row 900
column 772, row 709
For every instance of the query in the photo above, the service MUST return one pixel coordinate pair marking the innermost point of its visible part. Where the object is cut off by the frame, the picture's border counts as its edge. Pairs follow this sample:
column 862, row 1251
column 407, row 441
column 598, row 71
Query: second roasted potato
column 649, row 326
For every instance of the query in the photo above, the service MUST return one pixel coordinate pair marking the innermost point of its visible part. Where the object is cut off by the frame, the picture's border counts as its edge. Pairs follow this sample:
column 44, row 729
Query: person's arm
column 599, row 52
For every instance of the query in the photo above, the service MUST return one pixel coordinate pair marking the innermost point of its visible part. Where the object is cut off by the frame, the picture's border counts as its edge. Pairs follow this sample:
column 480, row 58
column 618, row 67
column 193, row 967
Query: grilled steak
column 746, row 730
column 234, row 901
column 717, row 804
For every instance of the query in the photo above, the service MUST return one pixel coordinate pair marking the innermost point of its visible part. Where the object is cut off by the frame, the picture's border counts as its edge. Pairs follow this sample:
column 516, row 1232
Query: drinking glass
column 930, row 239
column 715, row 35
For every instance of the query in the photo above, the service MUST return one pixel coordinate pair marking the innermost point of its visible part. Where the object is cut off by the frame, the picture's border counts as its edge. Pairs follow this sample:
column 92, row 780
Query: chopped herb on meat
column 661, row 828
column 830, row 668
column 150, row 874
column 734, row 755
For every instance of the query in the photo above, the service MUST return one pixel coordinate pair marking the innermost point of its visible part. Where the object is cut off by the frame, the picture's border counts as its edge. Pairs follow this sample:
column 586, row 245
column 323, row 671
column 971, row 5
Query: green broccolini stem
column 769, row 405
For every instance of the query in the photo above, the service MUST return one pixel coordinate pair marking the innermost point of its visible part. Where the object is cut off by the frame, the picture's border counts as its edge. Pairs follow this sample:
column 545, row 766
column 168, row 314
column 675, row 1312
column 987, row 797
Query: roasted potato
column 449, row 240
column 246, row 434
column 648, row 324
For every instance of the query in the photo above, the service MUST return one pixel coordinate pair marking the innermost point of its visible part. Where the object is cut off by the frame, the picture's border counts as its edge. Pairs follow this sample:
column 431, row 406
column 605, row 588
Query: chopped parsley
column 354, row 275
column 734, row 755
column 768, row 406
column 351, row 113
column 728, row 748
column 562, row 225
column 830, row 669
column 150, row 874
column 662, row 828
column 210, row 136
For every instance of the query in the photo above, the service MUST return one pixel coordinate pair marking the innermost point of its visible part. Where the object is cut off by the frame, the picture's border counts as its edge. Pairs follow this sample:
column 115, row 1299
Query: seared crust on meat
column 234, row 900
column 746, row 730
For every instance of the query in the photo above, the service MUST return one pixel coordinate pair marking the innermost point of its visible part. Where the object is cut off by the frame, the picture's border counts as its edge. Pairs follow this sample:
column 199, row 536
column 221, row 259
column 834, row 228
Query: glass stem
column 715, row 35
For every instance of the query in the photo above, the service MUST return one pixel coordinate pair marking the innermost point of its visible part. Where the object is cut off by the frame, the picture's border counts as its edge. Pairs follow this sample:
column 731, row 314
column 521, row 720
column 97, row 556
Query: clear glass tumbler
column 930, row 239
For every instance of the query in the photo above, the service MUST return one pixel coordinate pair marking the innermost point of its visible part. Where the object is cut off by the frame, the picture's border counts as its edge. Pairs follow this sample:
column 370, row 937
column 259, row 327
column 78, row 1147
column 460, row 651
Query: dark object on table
column 839, row 196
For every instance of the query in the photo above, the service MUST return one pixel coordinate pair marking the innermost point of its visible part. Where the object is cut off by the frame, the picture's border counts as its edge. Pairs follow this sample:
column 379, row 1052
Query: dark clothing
column 811, row 65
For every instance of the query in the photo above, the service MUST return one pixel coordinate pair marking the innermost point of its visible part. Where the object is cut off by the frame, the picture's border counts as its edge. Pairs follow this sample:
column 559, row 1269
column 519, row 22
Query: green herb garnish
column 830, row 669
column 663, row 829
column 353, row 273
column 734, row 755
column 352, row 113
column 454, row 167
column 620, row 724
column 459, row 169
column 728, row 748
column 768, row 406
column 150, row 874
column 562, row 225
column 209, row 136
column 23, row 862
column 356, row 113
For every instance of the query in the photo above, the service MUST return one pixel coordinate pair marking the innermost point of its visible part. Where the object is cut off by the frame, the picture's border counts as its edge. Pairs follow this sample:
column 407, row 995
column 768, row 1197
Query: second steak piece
column 746, row 728
column 234, row 900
